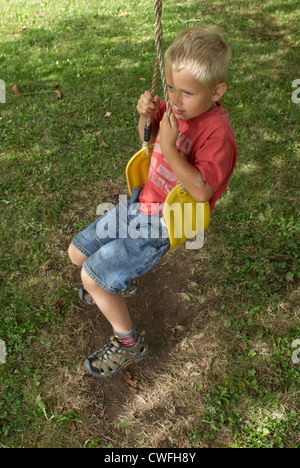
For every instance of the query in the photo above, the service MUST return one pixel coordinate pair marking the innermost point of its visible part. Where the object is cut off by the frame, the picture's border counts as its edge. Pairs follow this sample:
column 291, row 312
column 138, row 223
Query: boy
column 198, row 148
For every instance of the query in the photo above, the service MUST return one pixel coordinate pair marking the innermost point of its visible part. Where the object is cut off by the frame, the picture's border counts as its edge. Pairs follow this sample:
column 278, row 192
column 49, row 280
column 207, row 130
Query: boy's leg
column 110, row 266
column 113, row 306
column 76, row 256
column 126, row 346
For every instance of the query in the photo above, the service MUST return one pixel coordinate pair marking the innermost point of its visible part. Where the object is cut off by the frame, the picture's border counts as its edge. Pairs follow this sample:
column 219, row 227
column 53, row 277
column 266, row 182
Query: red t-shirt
column 207, row 142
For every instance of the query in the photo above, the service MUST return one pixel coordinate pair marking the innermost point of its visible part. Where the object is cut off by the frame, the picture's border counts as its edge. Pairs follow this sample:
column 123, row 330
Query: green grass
column 54, row 166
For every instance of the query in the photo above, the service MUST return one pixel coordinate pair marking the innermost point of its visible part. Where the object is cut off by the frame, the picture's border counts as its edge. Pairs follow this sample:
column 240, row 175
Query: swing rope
column 159, row 65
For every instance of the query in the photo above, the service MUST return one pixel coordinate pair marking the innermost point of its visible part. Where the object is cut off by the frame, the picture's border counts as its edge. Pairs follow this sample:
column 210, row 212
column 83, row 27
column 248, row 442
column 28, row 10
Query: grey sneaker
column 131, row 291
column 85, row 296
column 115, row 357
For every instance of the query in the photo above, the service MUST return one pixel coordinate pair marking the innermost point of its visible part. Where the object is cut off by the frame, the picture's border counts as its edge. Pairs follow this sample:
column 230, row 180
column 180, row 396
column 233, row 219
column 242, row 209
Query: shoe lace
column 111, row 348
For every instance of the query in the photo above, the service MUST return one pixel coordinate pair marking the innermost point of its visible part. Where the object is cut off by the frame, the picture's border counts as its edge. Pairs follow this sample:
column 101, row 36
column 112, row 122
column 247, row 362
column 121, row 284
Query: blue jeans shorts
column 122, row 245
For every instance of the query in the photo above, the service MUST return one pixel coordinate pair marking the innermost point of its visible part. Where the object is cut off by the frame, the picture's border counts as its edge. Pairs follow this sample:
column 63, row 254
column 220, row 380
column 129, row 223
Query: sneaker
column 115, row 357
column 131, row 291
column 85, row 296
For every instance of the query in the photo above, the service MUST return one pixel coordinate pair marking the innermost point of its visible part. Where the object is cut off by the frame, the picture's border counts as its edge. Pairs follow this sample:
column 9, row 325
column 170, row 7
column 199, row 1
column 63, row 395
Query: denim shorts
column 122, row 245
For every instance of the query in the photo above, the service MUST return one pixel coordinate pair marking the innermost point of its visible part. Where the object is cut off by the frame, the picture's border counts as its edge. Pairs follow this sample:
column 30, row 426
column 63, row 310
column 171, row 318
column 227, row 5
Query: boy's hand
column 148, row 105
column 169, row 132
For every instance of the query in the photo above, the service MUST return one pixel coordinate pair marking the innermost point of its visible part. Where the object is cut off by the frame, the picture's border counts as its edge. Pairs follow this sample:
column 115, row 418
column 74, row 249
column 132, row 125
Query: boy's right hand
column 148, row 105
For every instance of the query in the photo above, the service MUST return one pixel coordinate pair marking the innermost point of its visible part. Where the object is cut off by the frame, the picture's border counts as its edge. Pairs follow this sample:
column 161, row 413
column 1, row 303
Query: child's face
column 188, row 97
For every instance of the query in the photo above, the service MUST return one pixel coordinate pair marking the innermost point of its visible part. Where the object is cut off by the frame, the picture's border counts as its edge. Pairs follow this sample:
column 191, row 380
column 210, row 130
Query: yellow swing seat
column 183, row 215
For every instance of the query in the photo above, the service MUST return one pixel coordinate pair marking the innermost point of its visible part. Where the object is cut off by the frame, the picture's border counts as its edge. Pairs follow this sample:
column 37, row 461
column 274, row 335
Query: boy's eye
column 187, row 93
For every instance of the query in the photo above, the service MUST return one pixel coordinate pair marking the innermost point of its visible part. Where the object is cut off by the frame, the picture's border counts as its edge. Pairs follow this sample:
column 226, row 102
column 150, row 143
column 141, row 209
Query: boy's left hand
column 169, row 132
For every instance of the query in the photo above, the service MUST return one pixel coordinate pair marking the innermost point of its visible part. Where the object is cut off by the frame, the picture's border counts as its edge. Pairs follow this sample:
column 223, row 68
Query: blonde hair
column 203, row 52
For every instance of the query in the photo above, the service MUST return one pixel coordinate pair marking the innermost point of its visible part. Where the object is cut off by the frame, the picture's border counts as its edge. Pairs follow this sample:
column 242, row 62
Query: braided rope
column 159, row 42
column 159, row 63
column 146, row 144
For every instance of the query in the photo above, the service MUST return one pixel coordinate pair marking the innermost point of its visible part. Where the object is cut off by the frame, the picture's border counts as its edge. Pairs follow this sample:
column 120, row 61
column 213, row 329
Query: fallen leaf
column 57, row 304
column 130, row 382
column 102, row 412
column 122, row 14
column 142, row 79
column 103, row 143
column 58, row 94
column 107, row 114
column 16, row 90
column 201, row 365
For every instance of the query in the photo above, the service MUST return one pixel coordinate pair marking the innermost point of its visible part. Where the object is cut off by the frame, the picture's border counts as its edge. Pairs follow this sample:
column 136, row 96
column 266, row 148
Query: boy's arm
column 188, row 175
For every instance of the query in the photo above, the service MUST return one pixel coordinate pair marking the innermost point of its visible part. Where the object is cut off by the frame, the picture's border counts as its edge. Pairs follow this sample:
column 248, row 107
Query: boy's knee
column 87, row 281
column 76, row 256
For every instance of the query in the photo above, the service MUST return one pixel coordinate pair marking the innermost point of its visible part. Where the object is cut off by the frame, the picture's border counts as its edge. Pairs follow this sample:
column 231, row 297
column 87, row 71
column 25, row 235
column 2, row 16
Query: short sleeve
column 215, row 160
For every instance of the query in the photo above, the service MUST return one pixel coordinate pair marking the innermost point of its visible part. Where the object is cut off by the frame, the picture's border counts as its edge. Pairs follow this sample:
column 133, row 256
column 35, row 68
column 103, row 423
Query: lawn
column 227, row 372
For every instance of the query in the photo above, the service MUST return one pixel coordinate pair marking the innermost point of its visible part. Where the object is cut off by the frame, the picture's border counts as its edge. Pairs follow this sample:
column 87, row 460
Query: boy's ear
column 219, row 91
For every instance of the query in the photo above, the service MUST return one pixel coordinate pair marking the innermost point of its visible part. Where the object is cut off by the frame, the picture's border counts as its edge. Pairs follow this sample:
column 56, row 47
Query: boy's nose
column 177, row 101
